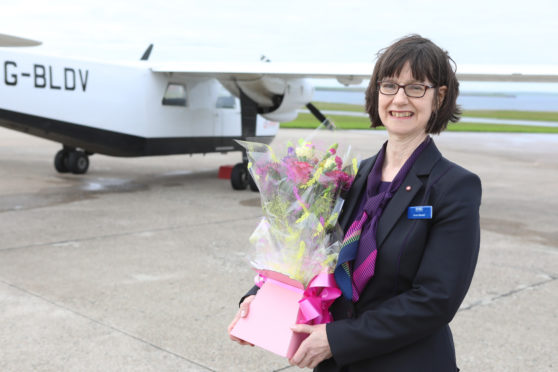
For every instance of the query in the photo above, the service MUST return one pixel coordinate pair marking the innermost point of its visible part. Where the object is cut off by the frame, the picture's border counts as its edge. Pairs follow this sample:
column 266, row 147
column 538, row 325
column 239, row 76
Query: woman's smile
column 401, row 114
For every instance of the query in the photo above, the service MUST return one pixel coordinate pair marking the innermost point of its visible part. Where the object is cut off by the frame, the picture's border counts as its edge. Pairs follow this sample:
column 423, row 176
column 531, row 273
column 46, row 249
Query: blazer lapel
column 407, row 191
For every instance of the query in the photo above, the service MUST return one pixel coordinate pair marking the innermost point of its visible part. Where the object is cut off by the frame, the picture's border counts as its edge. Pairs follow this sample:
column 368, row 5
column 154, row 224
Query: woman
column 412, row 229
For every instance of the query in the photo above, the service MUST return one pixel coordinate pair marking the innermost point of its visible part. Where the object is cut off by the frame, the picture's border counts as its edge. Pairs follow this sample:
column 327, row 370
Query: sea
column 538, row 97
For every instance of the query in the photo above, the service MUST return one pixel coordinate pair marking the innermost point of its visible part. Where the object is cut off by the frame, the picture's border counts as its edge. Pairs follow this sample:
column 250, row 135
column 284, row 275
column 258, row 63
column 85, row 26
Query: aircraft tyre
column 239, row 177
column 252, row 183
column 60, row 161
column 78, row 162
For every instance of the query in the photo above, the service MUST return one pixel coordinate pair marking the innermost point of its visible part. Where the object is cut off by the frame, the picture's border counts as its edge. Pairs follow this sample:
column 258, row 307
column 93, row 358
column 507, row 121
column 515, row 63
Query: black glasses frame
column 399, row 86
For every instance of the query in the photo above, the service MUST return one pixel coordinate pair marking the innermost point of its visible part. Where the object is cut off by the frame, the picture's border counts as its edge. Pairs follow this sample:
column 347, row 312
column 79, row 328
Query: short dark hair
column 427, row 62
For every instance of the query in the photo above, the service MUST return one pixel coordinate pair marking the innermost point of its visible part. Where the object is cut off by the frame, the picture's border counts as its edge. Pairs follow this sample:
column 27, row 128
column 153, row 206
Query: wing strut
column 240, row 177
column 249, row 114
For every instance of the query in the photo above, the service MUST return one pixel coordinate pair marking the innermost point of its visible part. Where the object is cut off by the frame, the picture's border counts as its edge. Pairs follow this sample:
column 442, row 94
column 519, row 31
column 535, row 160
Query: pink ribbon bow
column 317, row 298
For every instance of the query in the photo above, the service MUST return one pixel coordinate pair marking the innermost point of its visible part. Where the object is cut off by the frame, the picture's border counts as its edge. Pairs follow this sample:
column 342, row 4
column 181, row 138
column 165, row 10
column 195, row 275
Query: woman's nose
column 400, row 96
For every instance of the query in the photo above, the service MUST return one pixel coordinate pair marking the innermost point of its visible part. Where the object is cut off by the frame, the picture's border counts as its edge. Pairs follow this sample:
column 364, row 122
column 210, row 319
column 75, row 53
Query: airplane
column 140, row 108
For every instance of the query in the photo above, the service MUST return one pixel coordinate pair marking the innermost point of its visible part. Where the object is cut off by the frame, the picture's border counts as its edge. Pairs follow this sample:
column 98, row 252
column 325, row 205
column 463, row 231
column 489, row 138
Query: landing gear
column 60, row 161
column 251, row 183
column 71, row 160
column 78, row 162
column 239, row 176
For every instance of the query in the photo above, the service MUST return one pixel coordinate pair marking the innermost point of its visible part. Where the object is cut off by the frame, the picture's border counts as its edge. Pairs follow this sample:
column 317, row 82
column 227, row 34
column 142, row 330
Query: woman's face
column 407, row 116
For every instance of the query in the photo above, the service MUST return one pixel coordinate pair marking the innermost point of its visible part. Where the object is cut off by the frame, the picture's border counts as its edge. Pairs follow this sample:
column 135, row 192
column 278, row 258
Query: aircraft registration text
column 45, row 76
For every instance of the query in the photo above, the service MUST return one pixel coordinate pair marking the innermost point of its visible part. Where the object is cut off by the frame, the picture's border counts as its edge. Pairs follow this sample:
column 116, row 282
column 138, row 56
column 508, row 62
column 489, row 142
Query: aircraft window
column 226, row 102
column 175, row 95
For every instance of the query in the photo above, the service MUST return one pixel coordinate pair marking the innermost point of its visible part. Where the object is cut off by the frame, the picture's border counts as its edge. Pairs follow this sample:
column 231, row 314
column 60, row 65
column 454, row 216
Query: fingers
column 241, row 313
column 314, row 349
column 302, row 328
column 231, row 326
column 245, row 306
column 233, row 323
column 302, row 358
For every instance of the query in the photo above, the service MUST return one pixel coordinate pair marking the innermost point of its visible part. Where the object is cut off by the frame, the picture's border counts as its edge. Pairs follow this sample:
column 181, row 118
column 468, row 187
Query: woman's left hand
column 314, row 349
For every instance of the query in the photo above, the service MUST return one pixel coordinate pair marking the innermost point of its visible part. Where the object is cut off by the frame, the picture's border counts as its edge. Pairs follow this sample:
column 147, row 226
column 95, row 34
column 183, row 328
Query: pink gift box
column 272, row 313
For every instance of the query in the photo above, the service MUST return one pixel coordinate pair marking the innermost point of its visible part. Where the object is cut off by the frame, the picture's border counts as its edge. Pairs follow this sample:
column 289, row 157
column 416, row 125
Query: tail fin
column 147, row 53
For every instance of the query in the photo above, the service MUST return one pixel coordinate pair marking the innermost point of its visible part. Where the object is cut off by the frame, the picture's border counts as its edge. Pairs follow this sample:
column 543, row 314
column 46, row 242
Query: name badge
column 423, row 212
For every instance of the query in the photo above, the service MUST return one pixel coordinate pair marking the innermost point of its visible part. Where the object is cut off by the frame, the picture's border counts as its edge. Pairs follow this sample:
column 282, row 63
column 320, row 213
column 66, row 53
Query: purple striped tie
column 349, row 248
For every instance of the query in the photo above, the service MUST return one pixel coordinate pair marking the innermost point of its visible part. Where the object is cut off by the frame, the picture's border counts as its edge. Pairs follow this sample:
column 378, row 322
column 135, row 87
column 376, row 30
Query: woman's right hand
column 241, row 313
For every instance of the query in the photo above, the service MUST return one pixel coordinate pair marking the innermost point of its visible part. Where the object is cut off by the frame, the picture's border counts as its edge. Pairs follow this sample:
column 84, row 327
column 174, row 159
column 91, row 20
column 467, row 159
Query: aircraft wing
column 349, row 73
column 345, row 73
column 14, row 41
column 518, row 73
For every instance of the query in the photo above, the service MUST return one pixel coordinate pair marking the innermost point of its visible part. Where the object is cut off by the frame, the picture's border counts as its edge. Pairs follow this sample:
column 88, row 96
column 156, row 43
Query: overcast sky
column 473, row 31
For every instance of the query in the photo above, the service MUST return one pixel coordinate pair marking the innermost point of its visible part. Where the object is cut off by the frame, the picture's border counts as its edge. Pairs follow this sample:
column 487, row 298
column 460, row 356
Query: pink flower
column 339, row 162
column 340, row 179
column 299, row 171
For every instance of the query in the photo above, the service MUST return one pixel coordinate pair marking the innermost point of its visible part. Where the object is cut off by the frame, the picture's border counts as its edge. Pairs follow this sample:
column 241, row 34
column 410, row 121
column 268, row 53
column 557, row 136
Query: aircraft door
column 228, row 123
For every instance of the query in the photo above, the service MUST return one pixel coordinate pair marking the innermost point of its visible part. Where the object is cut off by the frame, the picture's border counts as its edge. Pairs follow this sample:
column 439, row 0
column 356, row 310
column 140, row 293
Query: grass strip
column 492, row 114
column 349, row 122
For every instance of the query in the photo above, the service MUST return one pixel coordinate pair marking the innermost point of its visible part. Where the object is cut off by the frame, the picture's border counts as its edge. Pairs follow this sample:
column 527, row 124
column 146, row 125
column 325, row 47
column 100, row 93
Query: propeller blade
column 321, row 117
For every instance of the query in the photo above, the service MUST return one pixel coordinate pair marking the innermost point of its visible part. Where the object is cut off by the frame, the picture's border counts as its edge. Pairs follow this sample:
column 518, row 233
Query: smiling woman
column 412, row 233
column 406, row 274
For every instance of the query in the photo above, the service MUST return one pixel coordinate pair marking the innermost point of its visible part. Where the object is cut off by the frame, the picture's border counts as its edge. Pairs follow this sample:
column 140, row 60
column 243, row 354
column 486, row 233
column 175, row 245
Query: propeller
column 328, row 124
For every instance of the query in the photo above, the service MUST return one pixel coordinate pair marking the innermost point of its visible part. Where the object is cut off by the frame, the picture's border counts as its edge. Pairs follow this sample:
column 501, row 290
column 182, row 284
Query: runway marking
column 488, row 301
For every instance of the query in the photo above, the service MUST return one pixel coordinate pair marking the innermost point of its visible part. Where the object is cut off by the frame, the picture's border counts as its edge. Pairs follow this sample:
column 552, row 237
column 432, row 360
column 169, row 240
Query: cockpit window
column 175, row 95
column 226, row 102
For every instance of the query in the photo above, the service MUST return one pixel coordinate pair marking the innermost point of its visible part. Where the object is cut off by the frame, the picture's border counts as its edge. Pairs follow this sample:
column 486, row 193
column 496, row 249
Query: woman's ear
column 441, row 95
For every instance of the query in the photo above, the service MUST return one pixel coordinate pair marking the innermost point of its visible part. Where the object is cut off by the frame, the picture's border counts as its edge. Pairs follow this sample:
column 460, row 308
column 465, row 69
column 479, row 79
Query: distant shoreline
column 360, row 89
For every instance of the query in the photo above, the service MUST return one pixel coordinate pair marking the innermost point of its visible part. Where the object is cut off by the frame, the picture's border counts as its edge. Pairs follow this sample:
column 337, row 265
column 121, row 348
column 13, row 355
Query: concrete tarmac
column 139, row 264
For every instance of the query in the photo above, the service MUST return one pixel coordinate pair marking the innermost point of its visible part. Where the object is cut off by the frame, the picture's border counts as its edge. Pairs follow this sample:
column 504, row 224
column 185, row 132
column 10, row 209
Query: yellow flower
column 305, row 150
column 330, row 163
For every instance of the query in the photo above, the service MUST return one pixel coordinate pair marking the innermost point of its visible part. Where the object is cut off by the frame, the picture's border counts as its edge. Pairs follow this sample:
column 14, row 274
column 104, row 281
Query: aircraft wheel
column 239, row 177
column 60, row 161
column 252, row 183
column 78, row 162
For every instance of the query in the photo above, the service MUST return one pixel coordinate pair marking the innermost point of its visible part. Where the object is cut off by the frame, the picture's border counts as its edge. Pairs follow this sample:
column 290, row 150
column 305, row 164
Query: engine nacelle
column 277, row 99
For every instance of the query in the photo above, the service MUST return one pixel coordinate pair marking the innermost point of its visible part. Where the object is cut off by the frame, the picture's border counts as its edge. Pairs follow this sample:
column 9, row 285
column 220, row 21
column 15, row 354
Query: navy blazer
column 423, row 271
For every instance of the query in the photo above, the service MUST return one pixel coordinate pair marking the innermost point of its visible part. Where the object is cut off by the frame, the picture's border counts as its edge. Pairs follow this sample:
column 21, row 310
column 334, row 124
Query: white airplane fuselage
column 118, row 109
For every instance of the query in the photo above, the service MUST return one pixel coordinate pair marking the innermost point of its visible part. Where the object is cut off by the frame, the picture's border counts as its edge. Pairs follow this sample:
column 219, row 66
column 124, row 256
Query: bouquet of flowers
column 300, row 199
column 296, row 247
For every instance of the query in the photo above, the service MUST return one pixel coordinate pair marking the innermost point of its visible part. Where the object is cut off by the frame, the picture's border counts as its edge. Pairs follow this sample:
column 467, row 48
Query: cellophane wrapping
column 300, row 190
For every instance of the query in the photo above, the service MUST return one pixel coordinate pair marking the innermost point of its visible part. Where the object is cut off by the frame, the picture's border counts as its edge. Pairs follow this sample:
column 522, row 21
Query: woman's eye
column 416, row 88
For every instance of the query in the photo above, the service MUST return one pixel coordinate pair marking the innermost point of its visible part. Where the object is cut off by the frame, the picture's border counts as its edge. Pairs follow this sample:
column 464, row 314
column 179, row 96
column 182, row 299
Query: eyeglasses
column 411, row 90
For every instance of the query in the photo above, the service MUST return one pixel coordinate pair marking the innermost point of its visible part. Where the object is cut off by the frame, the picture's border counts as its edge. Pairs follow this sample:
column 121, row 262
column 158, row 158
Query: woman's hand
column 241, row 313
column 314, row 349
